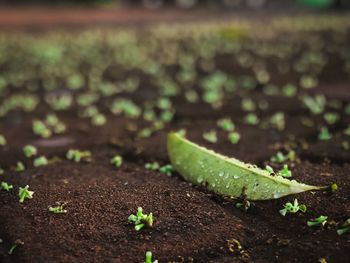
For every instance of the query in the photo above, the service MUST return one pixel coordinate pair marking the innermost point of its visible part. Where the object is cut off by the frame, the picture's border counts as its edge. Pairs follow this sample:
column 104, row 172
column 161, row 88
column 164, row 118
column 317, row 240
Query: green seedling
column 248, row 105
column 40, row 161
column 226, row 124
column 29, row 151
column 324, row 134
column 234, row 137
column 227, row 176
column 2, row 140
column 316, row 104
column 15, row 245
column 280, row 157
column 24, row 193
column 251, row 119
column 347, row 131
column 285, row 172
column 39, row 128
column 345, row 228
column 210, row 136
column 331, row 117
column 19, row 167
column 166, row 169
column 77, row 156
column 319, row 221
column 1, row 171
column 152, row 166
column 5, row 186
column 117, row 161
column 333, row 187
column 141, row 220
column 293, row 208
column 149, row 258
column 59, row 209
column 278, row 121
column 98, row 120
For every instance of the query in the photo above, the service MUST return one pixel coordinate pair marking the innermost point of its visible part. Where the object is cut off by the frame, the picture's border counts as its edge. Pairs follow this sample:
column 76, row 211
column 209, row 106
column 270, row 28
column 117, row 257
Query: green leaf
column 228, row 176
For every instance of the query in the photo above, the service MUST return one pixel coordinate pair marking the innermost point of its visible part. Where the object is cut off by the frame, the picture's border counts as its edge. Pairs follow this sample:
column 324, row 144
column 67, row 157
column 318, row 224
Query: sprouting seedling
column 20, row 167
column 344, row 228
column 152, row 166
column 5, row 186
column 40, row 161
column 316, row 104
column 331, row 117
column 166, row 169
column 285, row 172
column 347, row 131
column 59, row 209
column 226, row 124
column 278, row 121
column 15, row 245
column 149, row 258
column 293, row 208
column 324, row 134
column 248, row 104
column 228, row 176
column 234, row 137
column 319, row 221
column 40, row 128
column 251, row 119
column 2, row 140
column 77, row 156
column 280, row 157
column 29, row 151
column 98, row 119
column 210, row 136
column 24, row 193
column 140, row 220
column 117, row 161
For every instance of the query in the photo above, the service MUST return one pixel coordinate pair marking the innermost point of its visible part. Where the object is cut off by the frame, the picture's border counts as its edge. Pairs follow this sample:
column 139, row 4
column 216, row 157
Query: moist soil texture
column 284, row 84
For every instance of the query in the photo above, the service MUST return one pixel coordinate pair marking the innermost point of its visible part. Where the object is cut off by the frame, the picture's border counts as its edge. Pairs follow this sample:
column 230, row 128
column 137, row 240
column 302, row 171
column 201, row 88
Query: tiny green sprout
column 210, row 136
column 234, row 137
column 333, row 187
column 226, row 124
column 15, row 245
column 331, row 117
column 140, row 220
column 182, row 132
column 166, row 116
column 1, row 171
column 279, row 158
column 277, row 120
column 76, row 155
column 24, row 193
column 293, row 208
column 251, row 119
column 324, row 134
column 5, row 186
column 39, row 128
column 2, row 140
column 347, row 131
column 19, row 167
column 289, row 90
column 98, row 120
column 29, row 151
column 345, row 145
column 149, row 258
column 321, row 220
column 59, row 209
column 40, row 161
column 344, row 228
column 285, row 172
column 248, row 105
column 117, row 161
column 166, row 169
column 152, row 166
column 269, row 169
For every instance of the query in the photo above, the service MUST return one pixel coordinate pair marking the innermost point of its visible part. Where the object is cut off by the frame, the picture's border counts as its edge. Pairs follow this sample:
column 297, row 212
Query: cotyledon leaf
column 227, row 176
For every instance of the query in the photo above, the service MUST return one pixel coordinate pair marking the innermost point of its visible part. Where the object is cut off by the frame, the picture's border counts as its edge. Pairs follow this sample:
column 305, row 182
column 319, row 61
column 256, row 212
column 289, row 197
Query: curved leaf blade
column 227, row 176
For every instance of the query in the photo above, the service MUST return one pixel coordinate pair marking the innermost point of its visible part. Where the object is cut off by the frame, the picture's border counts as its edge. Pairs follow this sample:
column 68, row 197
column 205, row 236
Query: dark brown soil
column 191, row 224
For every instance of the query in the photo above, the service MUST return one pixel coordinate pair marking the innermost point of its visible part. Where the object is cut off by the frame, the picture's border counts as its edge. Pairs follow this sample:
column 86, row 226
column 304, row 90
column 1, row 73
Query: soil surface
column 190, row 223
